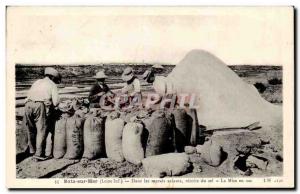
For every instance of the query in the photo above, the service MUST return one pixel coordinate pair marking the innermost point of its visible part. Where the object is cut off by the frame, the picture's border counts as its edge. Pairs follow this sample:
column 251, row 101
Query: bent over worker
column 132, row 83
column 99, row 90
column 161, row 85
column 41, row 98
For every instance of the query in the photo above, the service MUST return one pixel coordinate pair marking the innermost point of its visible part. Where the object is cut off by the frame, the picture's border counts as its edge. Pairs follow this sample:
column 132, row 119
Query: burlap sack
column 60, row 144
column 93, row 137
column 197, row 136
column 211, row 153
column 113, row 136
column 131, row 143
column 171, row 164
column 181, row 129
column 160, row 139
column 74, row 137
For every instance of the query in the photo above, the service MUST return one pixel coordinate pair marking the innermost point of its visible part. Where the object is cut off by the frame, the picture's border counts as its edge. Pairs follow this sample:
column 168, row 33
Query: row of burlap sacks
column 122, row 135
column 137, row 136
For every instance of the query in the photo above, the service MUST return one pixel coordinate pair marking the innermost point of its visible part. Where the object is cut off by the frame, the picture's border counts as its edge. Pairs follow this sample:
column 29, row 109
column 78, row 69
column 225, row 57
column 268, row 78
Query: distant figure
column 98, row 90
column 132, row 86
column 39, row 108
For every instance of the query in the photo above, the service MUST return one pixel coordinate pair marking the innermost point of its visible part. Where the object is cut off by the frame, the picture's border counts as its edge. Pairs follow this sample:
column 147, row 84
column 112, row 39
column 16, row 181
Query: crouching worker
column 39, row 106
column 100, row 91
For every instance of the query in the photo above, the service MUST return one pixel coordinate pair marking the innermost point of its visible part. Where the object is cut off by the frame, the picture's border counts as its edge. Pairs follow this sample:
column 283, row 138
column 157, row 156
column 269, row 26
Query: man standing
column 41, row 98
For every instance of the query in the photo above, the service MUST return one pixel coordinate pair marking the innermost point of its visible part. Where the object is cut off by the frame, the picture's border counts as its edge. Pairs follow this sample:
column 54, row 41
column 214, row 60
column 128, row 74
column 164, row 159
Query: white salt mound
column 223, row 98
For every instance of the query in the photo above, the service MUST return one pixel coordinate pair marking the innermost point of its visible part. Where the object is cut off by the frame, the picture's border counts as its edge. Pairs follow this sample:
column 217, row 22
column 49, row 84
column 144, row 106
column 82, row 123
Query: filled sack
column 145, row 118
column 131, row 143
column 171, row 164
column 93, row 136
column 182, row 131
column 196, row 136
column 60, row 145
column 74, row 137
column 113, row 136
column 160, row 138
column 211, row 153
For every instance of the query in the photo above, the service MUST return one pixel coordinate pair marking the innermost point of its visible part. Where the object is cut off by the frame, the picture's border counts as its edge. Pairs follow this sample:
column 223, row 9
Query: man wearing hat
column 161, row 84
column 132, row 86
column 98, row 90
column 41, row 98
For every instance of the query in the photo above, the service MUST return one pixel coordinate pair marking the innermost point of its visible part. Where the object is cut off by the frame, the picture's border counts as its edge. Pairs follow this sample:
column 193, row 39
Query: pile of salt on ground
column 224, row 99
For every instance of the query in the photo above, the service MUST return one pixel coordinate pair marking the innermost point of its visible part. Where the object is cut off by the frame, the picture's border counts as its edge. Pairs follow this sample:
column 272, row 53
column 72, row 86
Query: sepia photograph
column 150, row 97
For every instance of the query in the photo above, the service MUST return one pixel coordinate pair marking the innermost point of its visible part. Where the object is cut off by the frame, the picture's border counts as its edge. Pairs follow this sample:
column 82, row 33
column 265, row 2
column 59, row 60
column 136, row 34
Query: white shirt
column 133, row 87
column 44, row 90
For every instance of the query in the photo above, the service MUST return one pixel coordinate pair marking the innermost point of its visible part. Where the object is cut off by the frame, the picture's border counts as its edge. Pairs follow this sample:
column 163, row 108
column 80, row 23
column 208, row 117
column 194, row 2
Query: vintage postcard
column 150, row 97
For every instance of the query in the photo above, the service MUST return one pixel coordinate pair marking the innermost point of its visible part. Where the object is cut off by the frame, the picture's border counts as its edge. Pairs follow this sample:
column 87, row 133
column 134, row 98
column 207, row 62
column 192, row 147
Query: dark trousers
column 34, row 121
column 51, row 117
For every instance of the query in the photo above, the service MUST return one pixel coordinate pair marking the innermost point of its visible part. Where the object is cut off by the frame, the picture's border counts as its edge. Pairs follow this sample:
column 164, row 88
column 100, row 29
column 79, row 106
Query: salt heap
column 223, row 98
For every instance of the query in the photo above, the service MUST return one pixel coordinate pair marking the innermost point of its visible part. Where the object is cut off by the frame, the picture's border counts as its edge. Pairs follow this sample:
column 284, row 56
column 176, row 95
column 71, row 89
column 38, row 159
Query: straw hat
column 52, row 71
column 127, row 74
column 100, row 75
column 158, row 66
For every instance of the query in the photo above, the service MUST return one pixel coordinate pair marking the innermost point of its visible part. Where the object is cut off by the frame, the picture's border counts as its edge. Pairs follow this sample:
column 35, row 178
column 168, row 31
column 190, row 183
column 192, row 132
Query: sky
column 89, row 35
